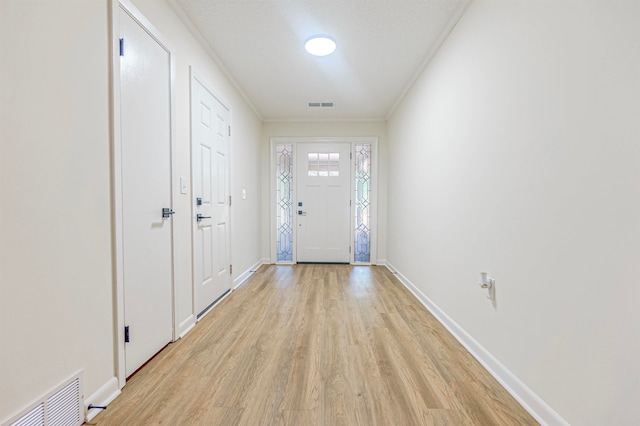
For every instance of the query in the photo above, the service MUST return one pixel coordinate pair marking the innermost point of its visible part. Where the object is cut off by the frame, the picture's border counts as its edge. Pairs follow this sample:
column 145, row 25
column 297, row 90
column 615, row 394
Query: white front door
column 323, row 202
column 210, row 174
column 145, row 120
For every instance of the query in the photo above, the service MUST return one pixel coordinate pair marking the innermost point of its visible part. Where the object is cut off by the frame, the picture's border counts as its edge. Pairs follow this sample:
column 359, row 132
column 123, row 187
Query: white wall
column 517, row 152
column 56, row 313
column 56, row 279
column 328, row 129
column 245, row 148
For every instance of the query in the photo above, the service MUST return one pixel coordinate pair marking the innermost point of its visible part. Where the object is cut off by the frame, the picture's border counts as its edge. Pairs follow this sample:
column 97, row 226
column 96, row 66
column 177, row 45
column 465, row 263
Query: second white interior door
column 323, row 202
column 210, row 168
column 145, row 131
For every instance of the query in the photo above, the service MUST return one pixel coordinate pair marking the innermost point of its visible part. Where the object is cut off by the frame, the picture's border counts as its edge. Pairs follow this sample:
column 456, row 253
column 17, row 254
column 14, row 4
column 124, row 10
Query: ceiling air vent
column 320, row 104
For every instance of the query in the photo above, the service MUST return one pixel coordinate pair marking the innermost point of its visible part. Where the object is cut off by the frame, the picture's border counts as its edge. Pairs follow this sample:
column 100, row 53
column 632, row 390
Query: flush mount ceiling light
column 320, row 45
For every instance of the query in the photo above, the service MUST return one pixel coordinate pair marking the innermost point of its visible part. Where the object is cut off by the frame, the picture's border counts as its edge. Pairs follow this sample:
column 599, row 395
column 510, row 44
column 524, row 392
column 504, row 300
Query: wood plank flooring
column 315, row 345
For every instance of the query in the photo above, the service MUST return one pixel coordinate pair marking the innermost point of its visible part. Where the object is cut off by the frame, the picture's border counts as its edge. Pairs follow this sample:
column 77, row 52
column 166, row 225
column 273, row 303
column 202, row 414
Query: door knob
column 167, row 212
column 199, row 217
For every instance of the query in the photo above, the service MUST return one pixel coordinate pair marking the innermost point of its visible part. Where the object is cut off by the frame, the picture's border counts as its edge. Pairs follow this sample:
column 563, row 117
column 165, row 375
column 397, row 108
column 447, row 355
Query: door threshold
column 206, row 310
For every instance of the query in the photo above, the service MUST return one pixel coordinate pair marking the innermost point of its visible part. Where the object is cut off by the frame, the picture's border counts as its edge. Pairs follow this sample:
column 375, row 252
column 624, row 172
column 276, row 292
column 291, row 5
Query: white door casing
column 210, row 134
column 145, row 162
column 324, row 190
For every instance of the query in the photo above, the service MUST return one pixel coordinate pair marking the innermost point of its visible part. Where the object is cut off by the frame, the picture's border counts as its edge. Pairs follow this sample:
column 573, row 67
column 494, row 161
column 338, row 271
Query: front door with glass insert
column 317, row 175
column 323, row 206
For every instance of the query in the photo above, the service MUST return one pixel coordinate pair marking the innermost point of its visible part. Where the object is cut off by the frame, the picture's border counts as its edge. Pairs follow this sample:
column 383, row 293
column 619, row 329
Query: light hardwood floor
column 316, row 345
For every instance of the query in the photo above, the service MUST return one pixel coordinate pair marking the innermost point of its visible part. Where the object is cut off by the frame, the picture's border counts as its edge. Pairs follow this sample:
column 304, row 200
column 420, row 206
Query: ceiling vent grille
column 320, row 104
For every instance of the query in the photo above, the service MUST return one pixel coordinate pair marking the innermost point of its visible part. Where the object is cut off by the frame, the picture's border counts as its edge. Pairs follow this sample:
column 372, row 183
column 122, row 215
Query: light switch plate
column 183, row 185
column 244, row 194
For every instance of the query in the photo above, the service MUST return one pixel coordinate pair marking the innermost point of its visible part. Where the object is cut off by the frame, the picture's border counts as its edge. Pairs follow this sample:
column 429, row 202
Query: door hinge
column 126, row 334
column 349, row 249
column 351, row 156
column 121, row 47
column 230, row 269
column 229, row 200
column 229, row 130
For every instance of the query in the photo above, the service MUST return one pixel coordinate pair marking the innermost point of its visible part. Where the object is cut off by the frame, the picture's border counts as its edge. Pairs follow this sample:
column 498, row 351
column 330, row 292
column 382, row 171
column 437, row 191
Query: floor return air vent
column 63, row 406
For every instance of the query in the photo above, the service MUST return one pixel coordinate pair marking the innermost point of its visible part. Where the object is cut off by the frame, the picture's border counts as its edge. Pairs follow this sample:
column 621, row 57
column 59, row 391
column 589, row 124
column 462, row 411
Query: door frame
column 352, row 141
column 116, row 176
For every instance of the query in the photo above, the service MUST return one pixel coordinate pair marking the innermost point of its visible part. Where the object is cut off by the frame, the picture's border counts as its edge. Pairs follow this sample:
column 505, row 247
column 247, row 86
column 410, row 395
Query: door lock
column 167, row 212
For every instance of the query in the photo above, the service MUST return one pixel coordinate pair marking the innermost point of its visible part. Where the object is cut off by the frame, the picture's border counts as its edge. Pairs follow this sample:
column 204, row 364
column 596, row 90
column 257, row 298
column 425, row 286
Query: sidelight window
column 362, row 236
column 284, row 197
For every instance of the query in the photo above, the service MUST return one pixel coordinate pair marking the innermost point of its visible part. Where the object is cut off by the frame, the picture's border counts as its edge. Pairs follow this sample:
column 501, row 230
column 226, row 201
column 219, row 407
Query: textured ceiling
column 382, row 46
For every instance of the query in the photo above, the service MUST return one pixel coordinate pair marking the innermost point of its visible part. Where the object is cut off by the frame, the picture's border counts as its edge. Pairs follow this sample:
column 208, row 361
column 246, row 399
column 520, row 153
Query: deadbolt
column 167, row 212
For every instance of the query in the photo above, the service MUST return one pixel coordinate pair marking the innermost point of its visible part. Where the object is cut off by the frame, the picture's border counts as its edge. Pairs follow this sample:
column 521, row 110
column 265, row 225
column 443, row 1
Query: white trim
column 352, row 141
column 103, row 396
column 175, row 189
column 185, row 326
column 430, row 54
column 373, row 218
column 116, row 150
column 188, row 23
column 273, row 252
column 246, row 274
column 116, row 181
column 531, row 402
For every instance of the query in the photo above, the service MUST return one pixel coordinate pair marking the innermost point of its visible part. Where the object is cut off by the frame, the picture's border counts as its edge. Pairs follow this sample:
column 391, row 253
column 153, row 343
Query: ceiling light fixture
column 320, row 45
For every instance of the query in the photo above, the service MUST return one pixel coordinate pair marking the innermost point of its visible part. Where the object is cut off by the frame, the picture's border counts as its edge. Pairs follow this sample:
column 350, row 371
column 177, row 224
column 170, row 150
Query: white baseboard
column 246, row 274
column 381, row 262
column 103, row 397
column 186, row 326
column 531, row 402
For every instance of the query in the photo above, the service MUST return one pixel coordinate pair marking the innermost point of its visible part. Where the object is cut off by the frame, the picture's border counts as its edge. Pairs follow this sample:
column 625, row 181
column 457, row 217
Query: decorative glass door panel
column 362, row 232
column 284, row 200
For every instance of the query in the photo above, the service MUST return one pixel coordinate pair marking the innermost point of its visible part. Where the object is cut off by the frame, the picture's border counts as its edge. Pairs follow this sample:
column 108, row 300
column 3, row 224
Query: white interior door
column 323, row 202
column 210, row 169
column 145, row 123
